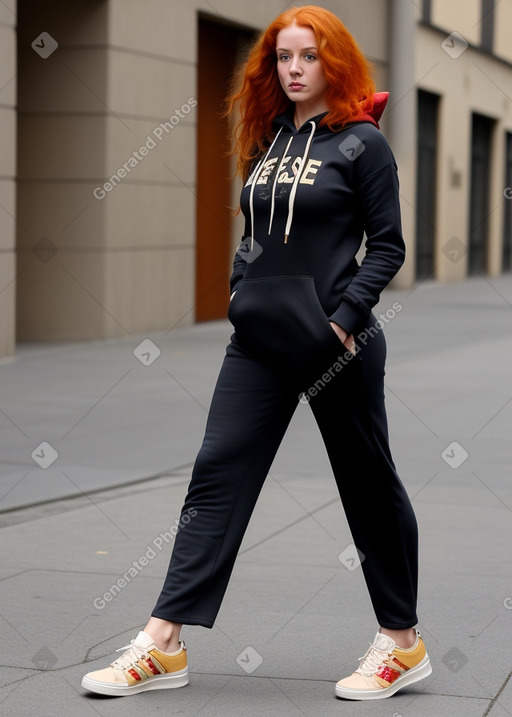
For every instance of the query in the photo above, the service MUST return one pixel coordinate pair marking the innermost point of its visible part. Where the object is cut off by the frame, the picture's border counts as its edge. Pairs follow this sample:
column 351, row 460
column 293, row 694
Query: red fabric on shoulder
column 379, row 103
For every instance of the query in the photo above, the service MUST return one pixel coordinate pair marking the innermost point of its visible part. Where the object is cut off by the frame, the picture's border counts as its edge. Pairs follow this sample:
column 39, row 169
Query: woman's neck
column 304, row 111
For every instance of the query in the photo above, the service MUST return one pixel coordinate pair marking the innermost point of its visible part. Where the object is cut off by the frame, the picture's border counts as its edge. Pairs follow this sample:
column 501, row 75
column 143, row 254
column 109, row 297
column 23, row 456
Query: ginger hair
column 257, row 96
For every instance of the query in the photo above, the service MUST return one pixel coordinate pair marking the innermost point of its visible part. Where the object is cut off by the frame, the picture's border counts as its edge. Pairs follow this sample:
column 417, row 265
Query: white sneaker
column 385, row 669
column 142, row 667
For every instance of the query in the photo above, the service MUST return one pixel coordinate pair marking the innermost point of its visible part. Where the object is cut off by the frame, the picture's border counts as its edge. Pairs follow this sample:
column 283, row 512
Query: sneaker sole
column 159, row 682
column 415, row 674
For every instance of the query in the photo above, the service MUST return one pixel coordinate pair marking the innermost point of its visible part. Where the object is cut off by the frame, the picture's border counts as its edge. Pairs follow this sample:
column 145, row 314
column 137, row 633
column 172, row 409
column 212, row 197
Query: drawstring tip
column 285, row 239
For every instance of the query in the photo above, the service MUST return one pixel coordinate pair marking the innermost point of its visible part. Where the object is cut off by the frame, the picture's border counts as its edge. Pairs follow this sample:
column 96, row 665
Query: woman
column 318, row 175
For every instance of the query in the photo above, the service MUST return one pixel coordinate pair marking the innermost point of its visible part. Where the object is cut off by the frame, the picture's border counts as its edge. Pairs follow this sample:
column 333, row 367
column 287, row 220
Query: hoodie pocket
column 280, row 319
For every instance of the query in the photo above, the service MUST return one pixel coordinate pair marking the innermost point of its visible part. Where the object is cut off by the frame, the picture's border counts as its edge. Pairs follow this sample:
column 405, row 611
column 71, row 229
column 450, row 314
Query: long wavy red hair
column 259, row 97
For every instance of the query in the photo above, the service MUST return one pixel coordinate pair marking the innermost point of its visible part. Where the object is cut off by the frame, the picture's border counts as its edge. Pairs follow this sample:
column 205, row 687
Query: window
column 481, row 146
column 426, row 184
column 507, row 220
column 487, row 39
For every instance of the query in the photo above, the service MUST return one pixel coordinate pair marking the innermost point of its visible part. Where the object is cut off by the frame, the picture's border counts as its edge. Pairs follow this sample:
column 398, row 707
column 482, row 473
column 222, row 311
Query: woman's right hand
column 346, row 339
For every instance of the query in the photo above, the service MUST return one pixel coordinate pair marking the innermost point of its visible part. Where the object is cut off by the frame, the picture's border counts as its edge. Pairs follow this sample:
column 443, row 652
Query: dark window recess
column 426, row 174
column 487, row 24
column 481, row 141
column 507, row 220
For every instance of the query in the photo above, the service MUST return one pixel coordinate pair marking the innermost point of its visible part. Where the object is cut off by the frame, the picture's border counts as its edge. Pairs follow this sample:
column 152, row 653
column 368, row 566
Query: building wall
column 471, row 82
column 7, row 177
column 502, row 44
column 462, row 16
column 121, row 239
column 107, row 150
column 61, row 154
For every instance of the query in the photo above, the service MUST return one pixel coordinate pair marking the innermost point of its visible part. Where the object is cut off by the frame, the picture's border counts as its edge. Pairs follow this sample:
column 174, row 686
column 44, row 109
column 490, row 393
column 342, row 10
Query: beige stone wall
column 472, row 82
column 61, row 155
column 462, row 16
column 7, row 177
column 503, row 28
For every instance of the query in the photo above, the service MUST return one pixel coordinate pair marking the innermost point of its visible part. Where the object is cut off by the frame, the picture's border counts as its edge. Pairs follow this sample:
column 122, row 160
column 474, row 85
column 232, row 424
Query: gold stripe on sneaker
column 136, row 673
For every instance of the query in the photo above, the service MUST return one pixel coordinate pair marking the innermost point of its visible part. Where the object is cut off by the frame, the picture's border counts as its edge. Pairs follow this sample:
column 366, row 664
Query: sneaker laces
column 132, row 655
column 372, row 660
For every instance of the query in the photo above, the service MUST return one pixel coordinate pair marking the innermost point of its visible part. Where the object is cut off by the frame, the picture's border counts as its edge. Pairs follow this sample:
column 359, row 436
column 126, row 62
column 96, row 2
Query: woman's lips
column 295, row 86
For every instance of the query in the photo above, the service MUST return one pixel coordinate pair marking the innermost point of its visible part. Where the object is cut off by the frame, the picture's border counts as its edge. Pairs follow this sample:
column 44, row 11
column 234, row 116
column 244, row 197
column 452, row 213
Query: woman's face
column 299, row 68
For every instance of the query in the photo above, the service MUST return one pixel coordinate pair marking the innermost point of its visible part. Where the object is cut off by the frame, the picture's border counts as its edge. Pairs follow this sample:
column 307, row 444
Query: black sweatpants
column 252, row 405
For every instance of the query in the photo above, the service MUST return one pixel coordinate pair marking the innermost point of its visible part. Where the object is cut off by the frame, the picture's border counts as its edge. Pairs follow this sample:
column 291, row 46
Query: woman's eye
column 310, row 57
column 284, row 57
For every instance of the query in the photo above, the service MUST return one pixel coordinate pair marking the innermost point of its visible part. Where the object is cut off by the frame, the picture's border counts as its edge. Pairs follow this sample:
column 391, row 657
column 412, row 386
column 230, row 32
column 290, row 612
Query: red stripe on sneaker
column 388, row 674
column 400, row 664
column 151, row 666
column 134, row 674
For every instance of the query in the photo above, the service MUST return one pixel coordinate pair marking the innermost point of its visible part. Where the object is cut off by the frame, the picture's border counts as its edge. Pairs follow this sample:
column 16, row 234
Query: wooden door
column 218, row 51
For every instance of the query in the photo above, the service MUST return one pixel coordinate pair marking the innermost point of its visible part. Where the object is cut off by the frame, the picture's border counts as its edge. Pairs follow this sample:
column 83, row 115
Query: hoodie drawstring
column 297, row 178
column 291, row 202
column 281, row 161
column 255, row 175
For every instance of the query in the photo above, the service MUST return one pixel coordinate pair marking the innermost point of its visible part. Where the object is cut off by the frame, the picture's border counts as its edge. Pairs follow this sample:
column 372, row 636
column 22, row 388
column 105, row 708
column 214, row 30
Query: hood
column 380, row 100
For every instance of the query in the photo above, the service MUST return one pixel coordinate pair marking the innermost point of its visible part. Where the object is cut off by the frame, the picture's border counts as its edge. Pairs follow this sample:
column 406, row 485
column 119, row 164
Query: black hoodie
column 307, row 205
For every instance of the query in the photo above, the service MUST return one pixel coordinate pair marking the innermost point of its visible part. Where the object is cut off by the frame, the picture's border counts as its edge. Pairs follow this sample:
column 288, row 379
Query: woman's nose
column 295, row 68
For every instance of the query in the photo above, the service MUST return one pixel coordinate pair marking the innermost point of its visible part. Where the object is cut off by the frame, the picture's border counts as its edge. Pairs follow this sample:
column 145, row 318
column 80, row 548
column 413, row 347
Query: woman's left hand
column 347, row 341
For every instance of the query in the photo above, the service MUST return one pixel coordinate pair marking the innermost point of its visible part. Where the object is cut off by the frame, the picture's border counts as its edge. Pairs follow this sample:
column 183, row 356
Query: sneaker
column 142, row 667
column 385, row 669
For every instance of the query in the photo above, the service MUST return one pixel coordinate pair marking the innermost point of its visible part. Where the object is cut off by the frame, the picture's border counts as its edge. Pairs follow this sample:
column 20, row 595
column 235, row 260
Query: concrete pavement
column 98, row 440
